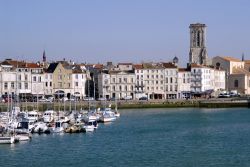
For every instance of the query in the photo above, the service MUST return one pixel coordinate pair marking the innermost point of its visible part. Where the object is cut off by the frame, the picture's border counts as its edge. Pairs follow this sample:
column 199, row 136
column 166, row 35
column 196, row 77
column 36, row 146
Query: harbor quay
column 132, row 104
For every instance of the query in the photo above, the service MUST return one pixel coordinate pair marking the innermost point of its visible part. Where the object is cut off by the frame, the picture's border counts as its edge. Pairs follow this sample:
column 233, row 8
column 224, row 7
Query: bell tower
column 198, row 51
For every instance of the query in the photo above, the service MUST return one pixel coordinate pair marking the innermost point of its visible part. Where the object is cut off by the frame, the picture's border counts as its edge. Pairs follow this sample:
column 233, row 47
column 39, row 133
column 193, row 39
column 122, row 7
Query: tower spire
column 44, row 56
column 242, row 57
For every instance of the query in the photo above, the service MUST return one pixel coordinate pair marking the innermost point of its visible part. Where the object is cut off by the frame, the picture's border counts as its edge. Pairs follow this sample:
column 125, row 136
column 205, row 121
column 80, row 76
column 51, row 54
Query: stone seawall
column 204, row 103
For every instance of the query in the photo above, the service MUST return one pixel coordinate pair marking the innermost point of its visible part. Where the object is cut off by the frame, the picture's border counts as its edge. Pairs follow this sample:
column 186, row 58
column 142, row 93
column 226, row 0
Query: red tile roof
column 138, row 66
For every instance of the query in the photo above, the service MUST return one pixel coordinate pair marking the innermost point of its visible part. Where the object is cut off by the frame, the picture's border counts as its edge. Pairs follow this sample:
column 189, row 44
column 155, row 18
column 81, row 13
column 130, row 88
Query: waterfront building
column 170, row 81
column 67, row 79
column 94, row 70
column 21, row 78
column 37, row 80
column 237, row 73
column 139, row 81
column 150, row 80
column 48, row 83
column 8, row 78
column 117, row 84
column 79, row 79
column 184, row 82
column 204, row 80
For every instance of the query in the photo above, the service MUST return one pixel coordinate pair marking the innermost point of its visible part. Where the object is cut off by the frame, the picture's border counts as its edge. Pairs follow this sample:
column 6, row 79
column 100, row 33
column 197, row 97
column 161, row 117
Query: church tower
column 198, row 51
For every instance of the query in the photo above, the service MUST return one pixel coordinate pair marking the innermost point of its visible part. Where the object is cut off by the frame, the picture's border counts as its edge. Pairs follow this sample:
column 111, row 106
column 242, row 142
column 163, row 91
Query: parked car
column 112, row 99
column 101, row 99
column 50, row 99
column 64, row 99
column 143, row 98
column 88, row 99
column 224, row 95
column 128, row 98
column 43, row 100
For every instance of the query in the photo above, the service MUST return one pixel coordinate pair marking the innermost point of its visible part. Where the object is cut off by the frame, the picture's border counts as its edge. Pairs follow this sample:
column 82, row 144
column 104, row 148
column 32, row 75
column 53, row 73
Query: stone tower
column 198, row 51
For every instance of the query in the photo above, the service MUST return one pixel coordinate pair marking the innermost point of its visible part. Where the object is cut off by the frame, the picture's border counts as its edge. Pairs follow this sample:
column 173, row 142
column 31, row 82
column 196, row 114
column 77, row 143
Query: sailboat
column 6, row 136
column 117, row 114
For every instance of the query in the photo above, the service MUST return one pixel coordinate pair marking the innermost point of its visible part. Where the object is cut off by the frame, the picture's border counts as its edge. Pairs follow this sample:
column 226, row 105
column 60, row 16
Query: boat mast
column 88, row 91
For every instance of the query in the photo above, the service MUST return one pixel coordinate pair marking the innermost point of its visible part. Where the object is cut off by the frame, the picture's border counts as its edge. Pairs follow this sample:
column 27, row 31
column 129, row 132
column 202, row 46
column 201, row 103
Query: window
column 60, row 77
column 175, row 88
column 198, row 39
column 19, row 86
column 113, row 88
column 76, row 84
column 50, row 84
column 25, row 77
column 120, row 80
column 5, row 85
column 171, row 80
column 113, row 80
column 20, row 77
column 60, row 84
column 46, row 84
column 26, row 86
column 34, row 79
column 125, row 80
column 120, row 87
column 39, row 79
column 132, row 80
column 131, row 87
column 236, row 83
column 12, row 85
column 166, row 80
column 126, row 88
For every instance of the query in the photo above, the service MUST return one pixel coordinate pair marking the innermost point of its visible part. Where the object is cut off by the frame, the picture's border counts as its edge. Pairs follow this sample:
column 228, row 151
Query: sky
column 97, row 31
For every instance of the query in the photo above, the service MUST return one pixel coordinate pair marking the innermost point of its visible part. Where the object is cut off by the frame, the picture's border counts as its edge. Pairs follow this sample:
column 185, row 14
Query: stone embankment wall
column 206, row 103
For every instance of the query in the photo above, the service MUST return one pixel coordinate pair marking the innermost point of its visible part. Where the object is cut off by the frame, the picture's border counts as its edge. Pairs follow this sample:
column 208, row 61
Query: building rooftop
column 138, row 66
column 228, row 58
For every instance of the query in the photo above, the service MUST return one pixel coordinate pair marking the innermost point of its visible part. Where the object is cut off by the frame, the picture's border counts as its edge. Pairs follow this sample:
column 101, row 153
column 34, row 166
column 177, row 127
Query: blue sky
column 120, row 31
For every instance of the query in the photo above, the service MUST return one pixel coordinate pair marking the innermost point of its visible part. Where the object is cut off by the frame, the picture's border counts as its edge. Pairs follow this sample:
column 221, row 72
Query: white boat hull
column 7, row 139
column 22, row 137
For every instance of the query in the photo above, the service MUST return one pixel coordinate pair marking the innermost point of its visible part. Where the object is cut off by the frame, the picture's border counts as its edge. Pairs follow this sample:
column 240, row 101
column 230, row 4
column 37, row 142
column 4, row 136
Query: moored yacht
column 48, row 116
column 7, row 139
column 107, row 116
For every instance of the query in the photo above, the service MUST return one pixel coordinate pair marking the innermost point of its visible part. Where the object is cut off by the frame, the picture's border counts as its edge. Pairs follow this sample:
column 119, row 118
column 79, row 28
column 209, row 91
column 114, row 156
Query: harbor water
column 145, row 137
